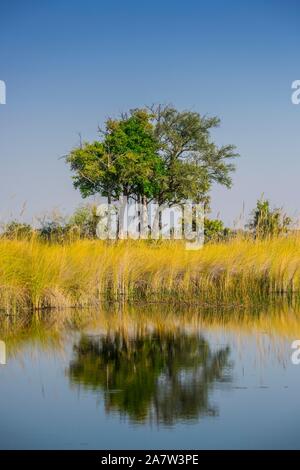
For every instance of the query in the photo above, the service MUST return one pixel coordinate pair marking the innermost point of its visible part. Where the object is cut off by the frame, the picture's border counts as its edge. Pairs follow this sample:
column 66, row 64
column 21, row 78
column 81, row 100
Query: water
column 138, row 380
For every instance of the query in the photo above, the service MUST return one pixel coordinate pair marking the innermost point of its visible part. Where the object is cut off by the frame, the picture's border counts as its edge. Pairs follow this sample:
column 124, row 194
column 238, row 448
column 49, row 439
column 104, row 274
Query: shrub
column 83, row 223
column 215, row 231
column 17, row 231
column 267, row 222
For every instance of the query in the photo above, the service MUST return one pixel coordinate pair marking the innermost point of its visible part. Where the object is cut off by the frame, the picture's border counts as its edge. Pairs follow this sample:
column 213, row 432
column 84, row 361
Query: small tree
column 267, row 222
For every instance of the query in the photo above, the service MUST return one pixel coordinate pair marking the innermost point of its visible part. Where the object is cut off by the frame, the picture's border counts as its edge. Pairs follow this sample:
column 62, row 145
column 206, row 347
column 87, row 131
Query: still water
column 151, row 378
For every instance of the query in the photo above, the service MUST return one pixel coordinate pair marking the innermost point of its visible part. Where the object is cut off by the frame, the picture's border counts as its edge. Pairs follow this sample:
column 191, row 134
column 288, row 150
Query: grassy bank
column 36, row 275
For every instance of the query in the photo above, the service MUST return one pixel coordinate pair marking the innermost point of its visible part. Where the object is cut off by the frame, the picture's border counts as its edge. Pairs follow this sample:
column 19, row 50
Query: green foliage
column 192, row 161
column 215, row 231
column 125, row 161
column 94, row 169
column 267, row 222
column 162, row 155
column 132, row 142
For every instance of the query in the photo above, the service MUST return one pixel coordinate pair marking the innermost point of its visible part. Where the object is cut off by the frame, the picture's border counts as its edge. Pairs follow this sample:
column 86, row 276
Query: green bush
column 266, row 222
column 215, row 231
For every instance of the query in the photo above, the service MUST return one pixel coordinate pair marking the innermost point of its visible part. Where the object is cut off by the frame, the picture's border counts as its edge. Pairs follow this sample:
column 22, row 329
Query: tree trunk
column 143, row 218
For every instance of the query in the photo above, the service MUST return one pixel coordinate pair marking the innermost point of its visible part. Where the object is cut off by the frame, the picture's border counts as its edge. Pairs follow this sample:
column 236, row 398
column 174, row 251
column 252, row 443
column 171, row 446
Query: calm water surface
column 137, row 380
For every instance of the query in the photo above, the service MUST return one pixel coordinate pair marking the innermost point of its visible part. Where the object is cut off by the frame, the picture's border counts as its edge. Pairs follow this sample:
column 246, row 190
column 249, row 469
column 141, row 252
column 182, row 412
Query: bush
column 267, row 222
column 53, row 227
column 215, row 231
column 83, row 223
column 17, row 231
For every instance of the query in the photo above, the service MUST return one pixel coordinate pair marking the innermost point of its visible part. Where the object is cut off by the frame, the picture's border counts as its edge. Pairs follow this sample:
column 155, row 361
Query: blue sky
column 69, row 65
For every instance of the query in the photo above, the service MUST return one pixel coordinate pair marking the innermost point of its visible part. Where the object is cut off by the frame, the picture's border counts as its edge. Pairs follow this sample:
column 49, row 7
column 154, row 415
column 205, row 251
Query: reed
column 36, row 275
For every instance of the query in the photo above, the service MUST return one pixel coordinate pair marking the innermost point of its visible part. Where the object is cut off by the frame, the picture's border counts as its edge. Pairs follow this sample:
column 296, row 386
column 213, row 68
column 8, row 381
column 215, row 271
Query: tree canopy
column 155, row 154
column 192, row 161
column 124, row 161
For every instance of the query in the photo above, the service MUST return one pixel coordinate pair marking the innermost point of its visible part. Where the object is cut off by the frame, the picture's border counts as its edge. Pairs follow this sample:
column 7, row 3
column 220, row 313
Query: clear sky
column 70, row 64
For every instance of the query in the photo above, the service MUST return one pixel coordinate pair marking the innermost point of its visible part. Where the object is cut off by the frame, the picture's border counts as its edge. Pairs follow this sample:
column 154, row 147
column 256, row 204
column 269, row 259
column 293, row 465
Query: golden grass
column 35, row 275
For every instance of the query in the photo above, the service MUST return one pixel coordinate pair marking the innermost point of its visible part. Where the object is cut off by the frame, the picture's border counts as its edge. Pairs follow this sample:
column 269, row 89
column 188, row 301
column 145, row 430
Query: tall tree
column 125, row 160
column 192, row 160
column 159, row 154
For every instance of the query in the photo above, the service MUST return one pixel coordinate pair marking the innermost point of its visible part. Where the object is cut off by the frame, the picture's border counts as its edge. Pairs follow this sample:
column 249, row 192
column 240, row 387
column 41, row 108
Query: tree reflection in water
column 161, row 377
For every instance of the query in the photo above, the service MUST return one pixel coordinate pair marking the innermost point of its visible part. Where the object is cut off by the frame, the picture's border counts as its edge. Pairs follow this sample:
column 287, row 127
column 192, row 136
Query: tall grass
column 36, row 275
